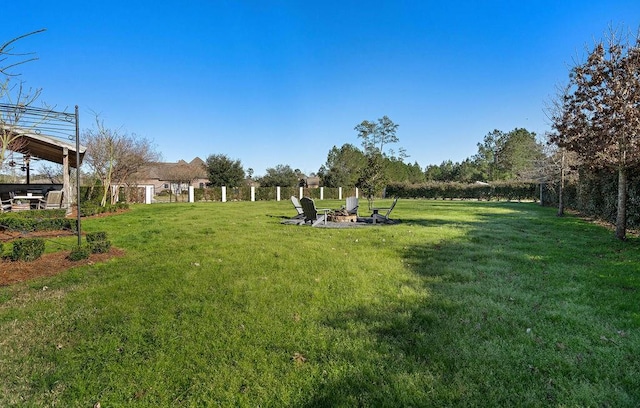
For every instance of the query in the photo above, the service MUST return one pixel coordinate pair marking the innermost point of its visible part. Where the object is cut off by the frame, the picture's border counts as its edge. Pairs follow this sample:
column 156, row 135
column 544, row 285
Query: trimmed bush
column 88, row 209
column 79, row 253
column 96, row 236
column 37, row 220
column 98, row 243
column 27, row 249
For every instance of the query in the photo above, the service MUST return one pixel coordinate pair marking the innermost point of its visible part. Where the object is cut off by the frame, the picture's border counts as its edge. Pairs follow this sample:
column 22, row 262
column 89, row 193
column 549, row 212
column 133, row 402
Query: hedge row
column 596, row 195
column 449, row 191
column 37, row 220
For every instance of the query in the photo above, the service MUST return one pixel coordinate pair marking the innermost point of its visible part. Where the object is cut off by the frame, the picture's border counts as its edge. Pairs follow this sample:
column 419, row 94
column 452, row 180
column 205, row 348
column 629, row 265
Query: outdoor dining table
column 31, row 198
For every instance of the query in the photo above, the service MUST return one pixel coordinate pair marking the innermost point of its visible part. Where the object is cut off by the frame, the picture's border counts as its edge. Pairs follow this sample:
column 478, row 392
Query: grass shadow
column 525, row 309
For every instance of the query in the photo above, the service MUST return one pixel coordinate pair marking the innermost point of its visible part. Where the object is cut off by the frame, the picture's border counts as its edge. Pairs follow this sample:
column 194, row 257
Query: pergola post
column 66, row 179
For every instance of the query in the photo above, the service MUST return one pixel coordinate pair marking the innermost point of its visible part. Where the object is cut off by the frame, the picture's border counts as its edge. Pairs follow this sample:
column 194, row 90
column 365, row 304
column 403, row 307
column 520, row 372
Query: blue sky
column 282, row 82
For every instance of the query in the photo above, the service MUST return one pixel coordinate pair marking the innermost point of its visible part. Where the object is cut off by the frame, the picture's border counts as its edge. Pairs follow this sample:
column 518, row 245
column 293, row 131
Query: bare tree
column 114, row 157
column 14, row 97
column 598, row 115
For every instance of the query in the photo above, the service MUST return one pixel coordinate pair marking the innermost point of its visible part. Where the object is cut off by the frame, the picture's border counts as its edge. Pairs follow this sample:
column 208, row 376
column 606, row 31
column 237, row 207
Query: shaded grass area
column 463, row 303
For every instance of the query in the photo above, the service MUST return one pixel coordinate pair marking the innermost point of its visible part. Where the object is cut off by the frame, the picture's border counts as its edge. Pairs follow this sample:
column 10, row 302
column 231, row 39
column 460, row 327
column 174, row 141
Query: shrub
column 27, row 249
column 89, row 209
column 79, row 252
column 96, row 236
column 37, row 220
column 100, row 247
column 98, row 243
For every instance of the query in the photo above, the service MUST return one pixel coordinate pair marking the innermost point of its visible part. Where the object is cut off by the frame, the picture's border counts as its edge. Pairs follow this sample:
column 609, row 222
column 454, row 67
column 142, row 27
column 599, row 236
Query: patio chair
column 352, row 205
column 312, row 214
column 53, row 200
column 5, row 205
column 377, row 217
column 298, row 207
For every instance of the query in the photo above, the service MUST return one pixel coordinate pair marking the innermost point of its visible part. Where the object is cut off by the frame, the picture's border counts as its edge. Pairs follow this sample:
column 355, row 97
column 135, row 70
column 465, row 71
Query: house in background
column 174, row 177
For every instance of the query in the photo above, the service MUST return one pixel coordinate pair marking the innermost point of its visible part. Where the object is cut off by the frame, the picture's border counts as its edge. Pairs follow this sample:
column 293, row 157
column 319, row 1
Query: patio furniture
column 53, row 200
column 313, row 214
column 25, row 202
column 6, row 205
column 352, row 205
column 377, row 217
column 298, row 207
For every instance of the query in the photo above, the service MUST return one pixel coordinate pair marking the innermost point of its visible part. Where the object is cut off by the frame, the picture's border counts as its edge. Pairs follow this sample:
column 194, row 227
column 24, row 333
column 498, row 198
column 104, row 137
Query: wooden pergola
column 53, row 149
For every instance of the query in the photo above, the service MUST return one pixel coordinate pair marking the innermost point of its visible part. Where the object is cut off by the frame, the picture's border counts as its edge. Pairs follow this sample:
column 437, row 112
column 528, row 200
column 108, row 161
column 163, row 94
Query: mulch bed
column 12, row 272
column 47, row 265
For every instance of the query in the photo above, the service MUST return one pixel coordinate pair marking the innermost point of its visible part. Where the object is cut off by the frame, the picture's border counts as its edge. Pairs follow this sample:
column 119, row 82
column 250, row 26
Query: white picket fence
column 149, row 194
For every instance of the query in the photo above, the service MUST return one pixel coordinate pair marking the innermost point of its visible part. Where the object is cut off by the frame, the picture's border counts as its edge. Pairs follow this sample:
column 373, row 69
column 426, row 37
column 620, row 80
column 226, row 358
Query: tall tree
column 115, row 157
column 372, row 178
column 519, row 154
column 223, row 171
column 281, row 175
column 506, row 156
column 375, row 135
column 598, row 114
column 486, row 159
column 343, row 166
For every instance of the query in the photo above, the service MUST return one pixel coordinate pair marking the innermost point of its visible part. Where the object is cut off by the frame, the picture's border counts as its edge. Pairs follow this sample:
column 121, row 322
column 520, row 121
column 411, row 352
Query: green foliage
column 89, row 208
column 343, row 166
column 79, row 252
column 594, row 194
column 372, row 178
column 96, row 236
column 91, row 194
column 281, row 175
column 27, row 249
column 375, row 135
column 37, row 220
column 223, row 171
column 97, row 242
column 510, row 191
column 501, row 156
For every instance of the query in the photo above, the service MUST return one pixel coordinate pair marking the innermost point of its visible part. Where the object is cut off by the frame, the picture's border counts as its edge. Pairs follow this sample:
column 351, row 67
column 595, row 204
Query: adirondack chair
column 378, row 217
column 5, row 205
column 53, row 200
column 298, row 207
column 313, row 214
column 352, row 205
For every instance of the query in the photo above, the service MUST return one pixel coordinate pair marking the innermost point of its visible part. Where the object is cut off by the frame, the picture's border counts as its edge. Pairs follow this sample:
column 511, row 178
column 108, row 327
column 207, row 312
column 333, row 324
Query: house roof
column 161, row 171
column 44, row 147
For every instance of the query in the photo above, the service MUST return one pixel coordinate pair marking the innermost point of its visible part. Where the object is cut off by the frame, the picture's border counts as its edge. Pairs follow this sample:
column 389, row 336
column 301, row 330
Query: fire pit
column 341, row 216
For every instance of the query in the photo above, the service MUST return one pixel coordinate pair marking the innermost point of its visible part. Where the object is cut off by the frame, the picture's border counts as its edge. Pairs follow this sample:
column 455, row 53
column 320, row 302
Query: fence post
column 339, row 193
column 148, row 194
column 191, row 194
column 278, row 193
column 321, row 193
column 356, row 192
column 301, row 192
column 253, row 193
column 224, row 194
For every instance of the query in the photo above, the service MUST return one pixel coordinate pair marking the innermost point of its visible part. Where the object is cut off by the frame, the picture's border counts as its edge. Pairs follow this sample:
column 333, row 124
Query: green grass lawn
column 218, row 304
